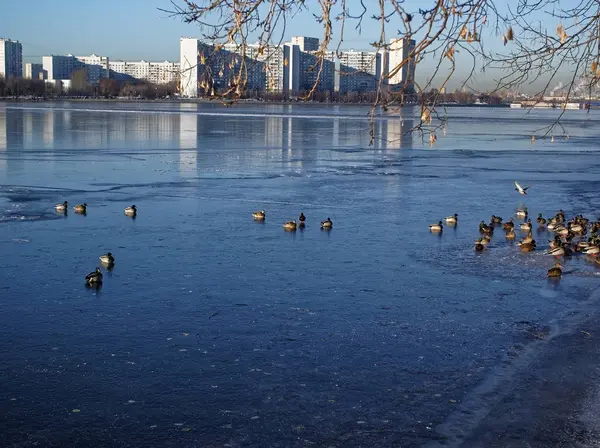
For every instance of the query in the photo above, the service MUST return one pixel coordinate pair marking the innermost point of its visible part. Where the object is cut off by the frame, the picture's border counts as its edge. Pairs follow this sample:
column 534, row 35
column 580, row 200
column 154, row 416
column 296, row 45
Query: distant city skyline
column 137, row 30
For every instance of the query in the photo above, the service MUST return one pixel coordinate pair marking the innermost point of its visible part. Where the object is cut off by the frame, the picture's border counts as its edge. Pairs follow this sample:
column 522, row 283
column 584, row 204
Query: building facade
column 34, row 71
column 62, row 67
column 153, row 72
column 11, row 58
column 293, row 68
column 401, row 63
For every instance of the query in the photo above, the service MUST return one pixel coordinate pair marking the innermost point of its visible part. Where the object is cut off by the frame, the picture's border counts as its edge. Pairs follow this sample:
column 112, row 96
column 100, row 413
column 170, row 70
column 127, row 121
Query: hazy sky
column 136, row 29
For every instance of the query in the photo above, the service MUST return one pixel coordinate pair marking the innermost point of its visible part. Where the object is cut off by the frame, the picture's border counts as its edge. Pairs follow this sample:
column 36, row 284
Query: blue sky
column 136, row 29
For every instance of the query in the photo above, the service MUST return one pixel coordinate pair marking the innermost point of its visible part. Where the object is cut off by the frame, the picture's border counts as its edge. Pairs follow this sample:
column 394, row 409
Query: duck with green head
column 540, row 219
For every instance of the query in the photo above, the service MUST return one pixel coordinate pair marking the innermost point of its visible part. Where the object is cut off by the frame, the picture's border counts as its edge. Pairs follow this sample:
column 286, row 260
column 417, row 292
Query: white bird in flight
column 520, row 189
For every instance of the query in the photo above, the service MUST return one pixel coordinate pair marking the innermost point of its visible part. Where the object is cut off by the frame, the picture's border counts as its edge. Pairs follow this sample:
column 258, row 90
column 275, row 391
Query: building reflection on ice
column 266, row 137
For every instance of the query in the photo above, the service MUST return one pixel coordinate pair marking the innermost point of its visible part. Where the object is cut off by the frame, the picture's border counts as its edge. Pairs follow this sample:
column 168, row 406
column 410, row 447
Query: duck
column 591, row 250
column 259, row 215
column 290, row 225
column 560, row 216
column 551, row 225
column 452, row 219
column 107, row 258
column 301, row 218
column 479, row 247
column 484, row 241
column 131, row 211
column 508, row 225
column 80, row 208
column 540, row 219
column 577, row 228
column 328, row 224
column 496, row 220
column 555, row 271
column 510, row 235
column 557, row 251
column 436, row 227
column 527, row 239
column 484, row 228
column 61, row 207
column 526, row 225
column 556, row 242
column 522, row 212
column 94, row 277
column 528, row 247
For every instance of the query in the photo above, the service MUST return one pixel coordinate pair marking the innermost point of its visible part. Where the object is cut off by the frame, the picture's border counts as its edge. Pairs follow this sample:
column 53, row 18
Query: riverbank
column 547, row 396
column 228, row 103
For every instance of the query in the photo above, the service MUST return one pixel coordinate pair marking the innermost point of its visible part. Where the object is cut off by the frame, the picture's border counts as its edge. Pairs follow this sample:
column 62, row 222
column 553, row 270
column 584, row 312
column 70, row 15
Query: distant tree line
column 112, row 88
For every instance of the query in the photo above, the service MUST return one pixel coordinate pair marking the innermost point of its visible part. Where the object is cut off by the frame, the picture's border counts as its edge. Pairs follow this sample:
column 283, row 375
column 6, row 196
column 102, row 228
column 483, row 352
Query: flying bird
column 520, row 189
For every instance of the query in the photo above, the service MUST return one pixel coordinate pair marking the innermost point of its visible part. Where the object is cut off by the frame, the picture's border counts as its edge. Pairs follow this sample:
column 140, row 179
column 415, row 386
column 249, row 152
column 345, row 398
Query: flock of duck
column 293, row 225
column 94, row 278
column 575, row 235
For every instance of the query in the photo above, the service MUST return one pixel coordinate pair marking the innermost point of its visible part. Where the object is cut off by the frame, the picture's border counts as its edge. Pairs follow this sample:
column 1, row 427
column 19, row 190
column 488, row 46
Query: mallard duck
column 528, row 247
column 61, row 207
column 301, row 218
column 452, row 219
column 557, row 251
column 577, row 228
column 94, row 277
column 436, row 227
column 540, row 219
column 328, row 224
column 551, row 226
column 484, row 228
column 510, row 235
column 522, row 212
column 479, row 247
column 561, row 230
column 560, row 216
column 259, row 216
column 591, row 250
column 555, row 271
column 556, row 242
column 290, row 225
column 527, row 239
column 526, row 225
column 509, row 225
column 131, row 211
column 80, row 208
column 484, row 241
column 107, row 258
column 496, row 219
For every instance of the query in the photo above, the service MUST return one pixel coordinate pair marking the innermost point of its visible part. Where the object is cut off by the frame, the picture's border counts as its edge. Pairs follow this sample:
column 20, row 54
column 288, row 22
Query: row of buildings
column 293, row 67
column 61, row 67
column 289, row 68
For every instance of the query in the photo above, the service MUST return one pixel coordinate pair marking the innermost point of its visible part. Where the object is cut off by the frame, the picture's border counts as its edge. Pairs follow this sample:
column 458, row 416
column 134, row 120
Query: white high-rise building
column 201, row 66
column 306, row 44
column 399, row 53
column 359, row 71
column 61, row 67
column 11, row 58
column 34, row 71
column 189, row 57
column 154, row 72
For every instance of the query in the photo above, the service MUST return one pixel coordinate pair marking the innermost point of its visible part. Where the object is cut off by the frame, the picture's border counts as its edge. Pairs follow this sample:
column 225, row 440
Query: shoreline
column 545, row 396
column 241, row 102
